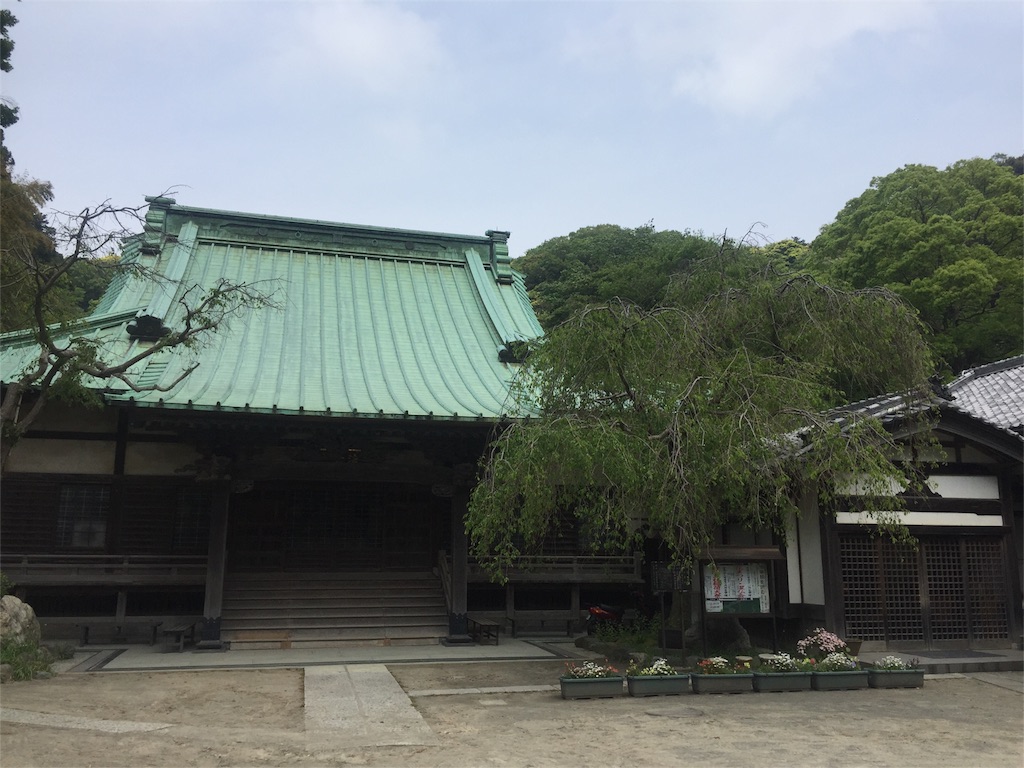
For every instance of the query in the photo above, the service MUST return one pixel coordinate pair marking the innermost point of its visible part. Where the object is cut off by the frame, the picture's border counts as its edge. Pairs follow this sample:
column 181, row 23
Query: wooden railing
column 627, row 569
column 107, row 570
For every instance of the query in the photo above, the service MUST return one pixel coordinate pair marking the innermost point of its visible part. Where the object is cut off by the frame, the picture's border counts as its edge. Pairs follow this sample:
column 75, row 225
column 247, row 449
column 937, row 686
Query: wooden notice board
column 741, row 588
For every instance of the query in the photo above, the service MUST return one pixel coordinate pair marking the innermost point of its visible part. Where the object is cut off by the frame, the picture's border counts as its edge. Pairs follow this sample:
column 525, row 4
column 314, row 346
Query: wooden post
column 458, row 625
column 216, row 563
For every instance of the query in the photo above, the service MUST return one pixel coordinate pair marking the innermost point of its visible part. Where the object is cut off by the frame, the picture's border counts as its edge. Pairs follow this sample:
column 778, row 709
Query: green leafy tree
column 672, row 421
column 1016, row 164
column 27, row 238
column 52, row 269
column 71, row 365
column 8, row 110
column 599, row 263
column 949, row 242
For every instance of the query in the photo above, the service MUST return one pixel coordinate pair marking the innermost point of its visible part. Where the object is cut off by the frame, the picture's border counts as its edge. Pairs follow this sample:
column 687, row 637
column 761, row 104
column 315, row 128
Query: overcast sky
column 535, row 117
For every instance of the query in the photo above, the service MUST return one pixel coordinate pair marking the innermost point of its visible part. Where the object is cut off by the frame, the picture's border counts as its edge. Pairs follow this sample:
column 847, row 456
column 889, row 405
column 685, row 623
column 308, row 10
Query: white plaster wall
column 158, row 458
column 803, row 555
column 968, row 519
column 971, row 455
column 57, row 416
column 965, row 486
column 939, row 454
column 796, row 590
column 79, row 457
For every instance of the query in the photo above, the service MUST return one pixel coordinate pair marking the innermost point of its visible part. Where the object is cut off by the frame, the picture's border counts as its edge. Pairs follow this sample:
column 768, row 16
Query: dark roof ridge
column 171, row 205
column 986, row 370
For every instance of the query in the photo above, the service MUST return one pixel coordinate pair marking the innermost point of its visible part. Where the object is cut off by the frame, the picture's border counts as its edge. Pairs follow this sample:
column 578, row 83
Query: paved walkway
column 364, row 704
column 156, row 658
column 350, row 692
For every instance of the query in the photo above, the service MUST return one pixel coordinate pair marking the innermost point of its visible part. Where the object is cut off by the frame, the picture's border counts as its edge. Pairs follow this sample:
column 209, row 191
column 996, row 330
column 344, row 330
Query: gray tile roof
column 993, row 393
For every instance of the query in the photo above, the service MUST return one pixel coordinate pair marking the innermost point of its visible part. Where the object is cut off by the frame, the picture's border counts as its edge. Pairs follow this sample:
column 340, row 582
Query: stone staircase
column 329, row 610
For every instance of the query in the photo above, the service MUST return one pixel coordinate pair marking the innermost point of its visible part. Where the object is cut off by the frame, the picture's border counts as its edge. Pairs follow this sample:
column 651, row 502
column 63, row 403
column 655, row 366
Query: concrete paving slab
column 484, row 690
column 1011, row 681
column 364, row 705
column 81, row 723
column 150, row 658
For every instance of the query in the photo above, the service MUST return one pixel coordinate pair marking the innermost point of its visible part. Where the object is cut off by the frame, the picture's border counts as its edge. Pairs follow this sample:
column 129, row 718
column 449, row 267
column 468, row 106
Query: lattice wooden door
column 951, row 591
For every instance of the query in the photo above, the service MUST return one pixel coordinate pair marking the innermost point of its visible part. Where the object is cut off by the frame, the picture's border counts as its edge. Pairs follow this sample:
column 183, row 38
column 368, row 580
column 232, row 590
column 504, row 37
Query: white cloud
column 375, row 47
column 740, row 57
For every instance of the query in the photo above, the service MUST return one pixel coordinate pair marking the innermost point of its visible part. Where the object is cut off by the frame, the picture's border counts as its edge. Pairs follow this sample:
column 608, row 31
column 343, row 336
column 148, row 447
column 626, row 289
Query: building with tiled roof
column 993, row 393
column 961, row 587
column 306, row 482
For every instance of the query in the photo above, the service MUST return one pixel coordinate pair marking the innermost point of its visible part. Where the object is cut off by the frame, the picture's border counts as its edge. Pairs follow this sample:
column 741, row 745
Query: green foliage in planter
column 642, row 635
column 26, row 659
column 720, row 665
column 657, row 668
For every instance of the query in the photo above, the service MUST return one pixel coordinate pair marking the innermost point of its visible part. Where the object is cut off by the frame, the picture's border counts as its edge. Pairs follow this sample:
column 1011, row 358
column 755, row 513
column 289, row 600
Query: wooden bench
column 544, row 618
column 178, row 633
column 119, row 626
column 483, row 630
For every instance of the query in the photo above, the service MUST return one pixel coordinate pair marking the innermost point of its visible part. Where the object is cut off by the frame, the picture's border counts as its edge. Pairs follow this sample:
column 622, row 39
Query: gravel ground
column 256, row 718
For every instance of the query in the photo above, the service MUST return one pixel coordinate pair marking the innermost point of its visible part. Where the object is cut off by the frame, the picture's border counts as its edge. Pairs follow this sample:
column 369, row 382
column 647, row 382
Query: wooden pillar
column 574, row 605
column 510, row 605
column 216, row 562
column 458, row 626
column 115, row 520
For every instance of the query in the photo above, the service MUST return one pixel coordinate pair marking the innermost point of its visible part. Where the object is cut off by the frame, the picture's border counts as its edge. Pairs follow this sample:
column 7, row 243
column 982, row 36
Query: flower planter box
column 590, row 687
column 741, row 683
column 782, row 681
column 658, row 685
column 896, row 678
column 839, row 681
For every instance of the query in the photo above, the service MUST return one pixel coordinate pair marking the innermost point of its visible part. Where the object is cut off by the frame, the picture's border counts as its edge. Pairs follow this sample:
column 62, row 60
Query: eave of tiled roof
column 367, row 322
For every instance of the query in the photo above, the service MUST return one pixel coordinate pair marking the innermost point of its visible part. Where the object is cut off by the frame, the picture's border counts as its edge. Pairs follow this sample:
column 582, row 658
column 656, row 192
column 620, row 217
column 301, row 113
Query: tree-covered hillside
column 950, row 243
column 596, row 264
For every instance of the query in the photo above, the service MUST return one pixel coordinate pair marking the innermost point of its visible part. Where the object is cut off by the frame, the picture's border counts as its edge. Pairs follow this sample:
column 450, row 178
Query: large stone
column 18, row 623
column 725, row 633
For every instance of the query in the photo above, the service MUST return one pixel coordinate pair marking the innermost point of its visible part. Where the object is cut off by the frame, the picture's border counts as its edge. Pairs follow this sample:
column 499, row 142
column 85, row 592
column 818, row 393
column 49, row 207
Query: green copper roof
column 368, row 321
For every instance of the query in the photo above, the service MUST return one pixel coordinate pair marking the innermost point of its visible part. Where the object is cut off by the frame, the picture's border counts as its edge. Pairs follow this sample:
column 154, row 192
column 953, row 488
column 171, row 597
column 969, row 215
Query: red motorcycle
column 604, row 614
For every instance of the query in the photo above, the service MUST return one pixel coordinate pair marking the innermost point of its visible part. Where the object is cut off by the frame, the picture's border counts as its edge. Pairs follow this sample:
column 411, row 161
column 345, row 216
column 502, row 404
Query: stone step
column 271, row 610
column 369, row 592
column 333, row 601
column 340, row 577
column 288, row 622
column 271, row 645
column 374, row 616
column 323, row 634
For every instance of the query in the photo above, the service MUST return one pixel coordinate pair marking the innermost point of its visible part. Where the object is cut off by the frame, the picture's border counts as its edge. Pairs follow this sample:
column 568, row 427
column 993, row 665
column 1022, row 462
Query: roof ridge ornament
column 501, row 264
column 154, row 228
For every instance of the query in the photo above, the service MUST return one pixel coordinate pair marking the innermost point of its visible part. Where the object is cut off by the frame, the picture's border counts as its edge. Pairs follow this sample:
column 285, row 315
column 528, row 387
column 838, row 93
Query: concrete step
column 337, row 607
column 271, row 610
column 289, row 622
column 369, row 593
column 326, row 634
column 341, row 577
column 271, row 645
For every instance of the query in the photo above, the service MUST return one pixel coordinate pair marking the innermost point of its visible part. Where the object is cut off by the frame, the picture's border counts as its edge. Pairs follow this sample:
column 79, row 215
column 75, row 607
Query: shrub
column 891, row 663
column 26, row 659
column 719, row 665
column 589, row 669
column 836, row 662
column 820, row 643
column 656, row 668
